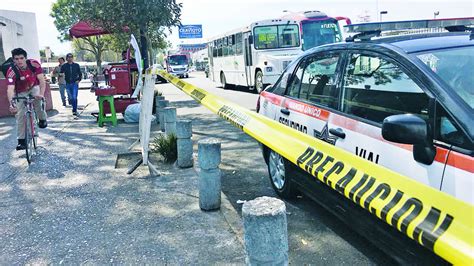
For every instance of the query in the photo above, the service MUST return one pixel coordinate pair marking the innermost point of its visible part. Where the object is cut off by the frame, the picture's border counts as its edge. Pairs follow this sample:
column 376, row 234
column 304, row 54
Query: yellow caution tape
column 434, row 219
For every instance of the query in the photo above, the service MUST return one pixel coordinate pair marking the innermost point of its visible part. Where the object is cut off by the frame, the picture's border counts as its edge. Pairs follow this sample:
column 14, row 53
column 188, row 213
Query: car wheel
column 259, row 86
column 224, row 81
column 280, row 173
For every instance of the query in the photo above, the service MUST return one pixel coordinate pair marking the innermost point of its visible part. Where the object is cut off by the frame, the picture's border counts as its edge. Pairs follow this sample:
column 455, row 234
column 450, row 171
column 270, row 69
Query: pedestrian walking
column 72, row 75
column 62, row 82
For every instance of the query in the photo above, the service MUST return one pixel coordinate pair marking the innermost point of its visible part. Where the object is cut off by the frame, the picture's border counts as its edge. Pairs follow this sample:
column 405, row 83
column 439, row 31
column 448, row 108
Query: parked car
column 405, row 102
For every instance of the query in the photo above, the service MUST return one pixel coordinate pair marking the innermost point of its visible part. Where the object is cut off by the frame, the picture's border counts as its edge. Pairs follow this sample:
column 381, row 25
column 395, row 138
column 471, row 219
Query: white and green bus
column 256, row 55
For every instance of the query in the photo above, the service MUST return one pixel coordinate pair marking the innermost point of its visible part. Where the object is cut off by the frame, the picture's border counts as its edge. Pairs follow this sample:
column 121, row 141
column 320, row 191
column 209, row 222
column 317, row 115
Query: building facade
column 18, row 29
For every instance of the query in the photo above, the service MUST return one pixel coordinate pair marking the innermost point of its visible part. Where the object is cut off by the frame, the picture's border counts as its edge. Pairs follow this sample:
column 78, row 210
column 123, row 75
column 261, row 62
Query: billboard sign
column 191, row 48
column 190, row 31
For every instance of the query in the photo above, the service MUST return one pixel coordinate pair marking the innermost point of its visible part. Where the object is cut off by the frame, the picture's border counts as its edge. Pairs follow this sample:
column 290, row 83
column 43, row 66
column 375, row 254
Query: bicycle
column 31, row 120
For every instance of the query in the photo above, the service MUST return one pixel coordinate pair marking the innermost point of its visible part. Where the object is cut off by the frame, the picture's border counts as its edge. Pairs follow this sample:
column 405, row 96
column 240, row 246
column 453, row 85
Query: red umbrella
column 84, row 29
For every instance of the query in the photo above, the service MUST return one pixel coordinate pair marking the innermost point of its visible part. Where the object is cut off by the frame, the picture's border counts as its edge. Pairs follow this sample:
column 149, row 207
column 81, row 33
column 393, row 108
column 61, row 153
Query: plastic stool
column 102, row 116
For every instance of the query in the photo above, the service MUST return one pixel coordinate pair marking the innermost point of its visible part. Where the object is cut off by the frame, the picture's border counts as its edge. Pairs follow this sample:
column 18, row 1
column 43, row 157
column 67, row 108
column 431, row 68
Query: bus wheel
column 259, row 81
column 224, row 81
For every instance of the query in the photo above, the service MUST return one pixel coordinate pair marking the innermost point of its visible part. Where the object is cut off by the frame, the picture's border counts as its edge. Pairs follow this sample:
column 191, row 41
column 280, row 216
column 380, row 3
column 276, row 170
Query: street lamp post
column 47, row 54
column 382, row 13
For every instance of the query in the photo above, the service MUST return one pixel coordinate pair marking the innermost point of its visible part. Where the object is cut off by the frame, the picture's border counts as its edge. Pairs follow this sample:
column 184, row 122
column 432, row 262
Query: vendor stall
column 124, row 78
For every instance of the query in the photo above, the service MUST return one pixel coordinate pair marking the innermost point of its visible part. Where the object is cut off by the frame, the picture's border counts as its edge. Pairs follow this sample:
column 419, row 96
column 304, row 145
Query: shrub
column 166, row 146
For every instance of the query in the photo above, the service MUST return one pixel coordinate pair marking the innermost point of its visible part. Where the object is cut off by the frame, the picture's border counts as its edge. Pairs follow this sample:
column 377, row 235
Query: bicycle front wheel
column 29, row 137
column 34, row 123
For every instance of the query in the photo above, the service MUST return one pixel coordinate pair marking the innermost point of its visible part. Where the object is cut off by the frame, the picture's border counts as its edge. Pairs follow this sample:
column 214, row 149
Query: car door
column 375, row 87
column 458, row 174
column 312, row 94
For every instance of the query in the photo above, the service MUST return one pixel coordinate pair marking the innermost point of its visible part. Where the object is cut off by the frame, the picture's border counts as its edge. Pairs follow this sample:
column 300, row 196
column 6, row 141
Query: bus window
column 281, row 36
column 266, row 37
column 316, row 33
column 225, row 49
column 232, row 45
column 219, row 47
column 288, row 36
column 238, row 43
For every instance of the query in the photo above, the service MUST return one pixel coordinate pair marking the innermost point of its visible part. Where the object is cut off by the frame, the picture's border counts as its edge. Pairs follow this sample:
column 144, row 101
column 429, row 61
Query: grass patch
column 166, row 146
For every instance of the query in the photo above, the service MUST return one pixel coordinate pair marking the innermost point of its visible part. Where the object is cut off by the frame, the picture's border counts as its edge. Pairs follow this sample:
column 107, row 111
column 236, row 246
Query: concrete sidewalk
column 72, row 206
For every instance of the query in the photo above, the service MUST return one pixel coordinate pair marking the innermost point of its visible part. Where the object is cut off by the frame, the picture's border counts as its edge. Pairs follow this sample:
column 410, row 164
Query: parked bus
column 256, row 55
column 178, row 65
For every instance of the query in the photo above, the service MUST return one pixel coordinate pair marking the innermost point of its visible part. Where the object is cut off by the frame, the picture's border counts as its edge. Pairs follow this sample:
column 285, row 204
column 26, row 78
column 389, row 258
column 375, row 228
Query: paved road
column 315, row 236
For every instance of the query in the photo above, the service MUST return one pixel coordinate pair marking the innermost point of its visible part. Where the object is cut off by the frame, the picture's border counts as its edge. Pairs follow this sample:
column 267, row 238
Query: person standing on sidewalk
column 25, row 78
column 62, row 82
column 72, row 75
column 106, row 75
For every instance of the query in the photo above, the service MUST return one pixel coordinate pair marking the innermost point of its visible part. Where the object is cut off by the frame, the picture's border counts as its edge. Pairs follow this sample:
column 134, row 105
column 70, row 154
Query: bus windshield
column 276, row 36
column 319, row 32
column 177, row 60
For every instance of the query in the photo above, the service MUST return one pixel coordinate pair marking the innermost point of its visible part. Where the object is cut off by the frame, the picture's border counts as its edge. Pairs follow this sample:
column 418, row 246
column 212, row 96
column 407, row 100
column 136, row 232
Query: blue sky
column 219, row 16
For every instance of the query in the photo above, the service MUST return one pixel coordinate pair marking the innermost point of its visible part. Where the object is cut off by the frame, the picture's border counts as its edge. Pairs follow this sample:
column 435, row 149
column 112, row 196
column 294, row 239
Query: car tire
column 280, row 173
column 259, row 86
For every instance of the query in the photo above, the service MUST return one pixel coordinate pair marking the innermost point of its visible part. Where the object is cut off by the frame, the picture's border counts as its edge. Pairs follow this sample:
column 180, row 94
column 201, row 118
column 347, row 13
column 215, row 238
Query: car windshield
column 177, row 60
column 453, row 66
column 281, row 36
column 319, row 32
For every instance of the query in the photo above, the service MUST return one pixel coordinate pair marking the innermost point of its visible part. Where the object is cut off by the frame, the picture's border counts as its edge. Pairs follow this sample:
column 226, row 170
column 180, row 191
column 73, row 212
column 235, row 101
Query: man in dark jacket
column 72, row 75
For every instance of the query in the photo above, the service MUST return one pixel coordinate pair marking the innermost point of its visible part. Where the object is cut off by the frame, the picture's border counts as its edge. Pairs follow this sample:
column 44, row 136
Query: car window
column 295, row 83
column 453, row 66
column 448, row 132
column 375, row 88
column 281, row 84
column 318, row 83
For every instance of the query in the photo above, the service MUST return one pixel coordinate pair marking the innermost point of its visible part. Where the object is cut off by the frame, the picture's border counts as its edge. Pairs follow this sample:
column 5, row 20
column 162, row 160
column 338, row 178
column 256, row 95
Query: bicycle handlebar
column 23, row 98
column 17, row 99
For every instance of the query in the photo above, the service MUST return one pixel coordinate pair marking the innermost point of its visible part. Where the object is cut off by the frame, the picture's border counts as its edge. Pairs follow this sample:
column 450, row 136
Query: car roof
column 413, row 43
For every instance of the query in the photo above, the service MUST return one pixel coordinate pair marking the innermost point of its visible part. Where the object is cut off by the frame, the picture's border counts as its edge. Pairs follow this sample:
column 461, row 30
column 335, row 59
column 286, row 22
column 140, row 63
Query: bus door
column 248, row 58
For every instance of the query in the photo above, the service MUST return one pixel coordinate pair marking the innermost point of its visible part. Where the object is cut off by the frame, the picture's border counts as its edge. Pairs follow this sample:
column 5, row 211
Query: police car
column 404, row 101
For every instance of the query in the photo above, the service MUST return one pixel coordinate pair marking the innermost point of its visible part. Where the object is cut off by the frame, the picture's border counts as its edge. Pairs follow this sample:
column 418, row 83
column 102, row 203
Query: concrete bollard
column 170, row 120
column 265, row 231
column 162, row 104
column 184, row 133
column 157, row 99
column 209, row 157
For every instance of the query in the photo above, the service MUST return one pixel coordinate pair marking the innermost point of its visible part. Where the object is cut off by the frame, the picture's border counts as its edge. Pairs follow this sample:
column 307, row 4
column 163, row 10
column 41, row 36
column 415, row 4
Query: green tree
column 147, row 19
column 96, row 45
column 43, row 55
column 66, row 13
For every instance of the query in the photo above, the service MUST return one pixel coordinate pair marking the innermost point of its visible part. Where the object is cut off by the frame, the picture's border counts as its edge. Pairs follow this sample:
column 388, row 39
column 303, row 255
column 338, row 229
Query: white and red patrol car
column 405, row 102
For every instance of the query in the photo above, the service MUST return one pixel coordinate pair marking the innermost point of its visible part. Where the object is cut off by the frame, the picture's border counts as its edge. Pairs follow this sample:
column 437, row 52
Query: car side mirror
column 251, row 39
column 410, row 129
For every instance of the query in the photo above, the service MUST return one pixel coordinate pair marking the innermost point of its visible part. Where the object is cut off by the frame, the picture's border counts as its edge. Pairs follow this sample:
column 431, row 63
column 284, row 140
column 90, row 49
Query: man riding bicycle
column 25, row 78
